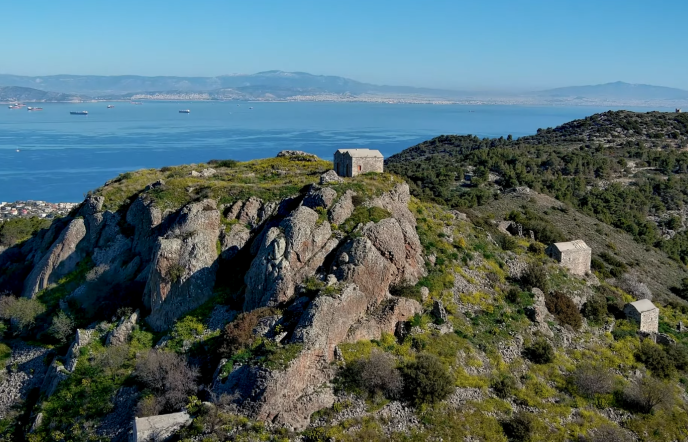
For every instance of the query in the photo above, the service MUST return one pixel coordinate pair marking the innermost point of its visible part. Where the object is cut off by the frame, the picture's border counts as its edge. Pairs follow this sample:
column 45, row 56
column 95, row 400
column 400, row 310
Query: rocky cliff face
column 176, row 257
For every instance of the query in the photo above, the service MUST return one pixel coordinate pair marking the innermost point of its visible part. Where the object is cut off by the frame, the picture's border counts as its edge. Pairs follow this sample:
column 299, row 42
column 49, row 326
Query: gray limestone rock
column 439, row 312
column 61, row 259
column 330, row 177
column 234, row 240
column 182, row 274
column 319, row 197
column 343, row 208
column 121, row 333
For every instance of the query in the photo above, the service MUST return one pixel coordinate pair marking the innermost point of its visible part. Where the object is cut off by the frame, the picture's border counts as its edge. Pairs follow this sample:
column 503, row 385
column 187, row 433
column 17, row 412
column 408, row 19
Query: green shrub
column 426, row 380
column 507, row 242
column 563, row 309
column 5, row 353
column 536, row 276
column 646, row 394
column 595, row 309
column 62, row 326
column 406, row 291
column 540, row 352
column 520, row 427
column 223, row 163
column 238, row 334
column 678, row 355
column 590, row 380
column 22, row 312
column 175, row 273
column 363, row 215
column 536, row 248
column 375, row 375
column 504, row 386
column 655, row 359
column 518, row 297
column 16, row 230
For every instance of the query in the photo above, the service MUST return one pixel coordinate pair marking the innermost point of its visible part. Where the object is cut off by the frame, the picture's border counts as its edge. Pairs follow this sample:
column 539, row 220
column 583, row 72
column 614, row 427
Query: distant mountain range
column 616, row 91
column 301, row 86
column 15, row 93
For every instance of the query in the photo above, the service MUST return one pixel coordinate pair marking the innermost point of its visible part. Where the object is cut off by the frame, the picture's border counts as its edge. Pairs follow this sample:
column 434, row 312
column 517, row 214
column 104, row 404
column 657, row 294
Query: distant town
column 29, row 209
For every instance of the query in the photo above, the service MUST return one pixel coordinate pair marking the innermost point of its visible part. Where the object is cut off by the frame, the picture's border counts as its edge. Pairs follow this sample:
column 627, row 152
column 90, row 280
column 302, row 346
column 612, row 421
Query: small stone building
column 352, row 162
column 644, row 313
column 574, row 255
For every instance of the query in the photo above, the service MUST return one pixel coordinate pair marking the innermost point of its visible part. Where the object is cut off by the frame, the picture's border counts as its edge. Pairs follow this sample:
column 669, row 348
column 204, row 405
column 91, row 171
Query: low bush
column 655, row 359
column 238, row 334
column 21, row 312
column 535, row 276
column 14, row 231
column 638, row 289
column 507, row 242
column 518, row 297
column 406, row 291
column 678, row 355
column 504, row 386
column 646, row 394
column 595, row 309
column 520, row 427
column 426, row 380
column 536, row 248
column 223, row 163
column 590, row 380
column 363, row 215
column 168, row 376
column 540, row 352
column 563, row 309
column 377, row 375
column 62, row 327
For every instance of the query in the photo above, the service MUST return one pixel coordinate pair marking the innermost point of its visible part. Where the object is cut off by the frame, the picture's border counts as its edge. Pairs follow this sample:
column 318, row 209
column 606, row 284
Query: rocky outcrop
column 288, row 254
column 144, row 217
column 343, row 208
column 298, row 155
column 319, row 197
column 384, row 319
column 27, row 370
column 61, row 259
column 182, row 274
column 120, row 335
column 330, row 177
column 234, row 240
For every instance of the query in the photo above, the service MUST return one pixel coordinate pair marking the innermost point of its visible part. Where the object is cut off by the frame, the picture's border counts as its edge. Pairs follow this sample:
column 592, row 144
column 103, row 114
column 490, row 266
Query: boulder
column 297, row 155
column 439, row 312
column 144, row 217
column 386, row 319
column 120, row 335
column 330, row 177
column 319, row 197
column 60, row 259
column 249, row 213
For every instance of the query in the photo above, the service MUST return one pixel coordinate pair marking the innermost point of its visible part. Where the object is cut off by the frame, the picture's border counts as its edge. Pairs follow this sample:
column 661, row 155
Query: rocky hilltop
column 274, row 300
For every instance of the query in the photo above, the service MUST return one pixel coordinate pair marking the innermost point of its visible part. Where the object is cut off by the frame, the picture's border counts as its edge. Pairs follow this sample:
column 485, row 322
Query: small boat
column 138, row 103
column 79, row 113
column 250, row 107
column 185, row 111
column 34, row 108
column 110, row 106
column 15, row 106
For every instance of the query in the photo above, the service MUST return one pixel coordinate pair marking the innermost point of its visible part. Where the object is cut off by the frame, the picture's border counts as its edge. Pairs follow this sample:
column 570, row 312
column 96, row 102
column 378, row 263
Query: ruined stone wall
column 648, row 321
column 577, row 261
column 365, row 165
column 342, row 164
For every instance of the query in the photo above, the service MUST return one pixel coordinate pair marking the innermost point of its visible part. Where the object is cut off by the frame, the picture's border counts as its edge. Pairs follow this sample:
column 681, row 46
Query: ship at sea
column 185, row 111
column 110, row 106
column 138, row 103
column 79, row 113
column 15, row 106
column 34, row 108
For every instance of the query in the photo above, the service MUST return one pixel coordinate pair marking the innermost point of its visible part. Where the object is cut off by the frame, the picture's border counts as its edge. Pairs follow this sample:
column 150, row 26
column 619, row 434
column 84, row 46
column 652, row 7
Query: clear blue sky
column 498, row 44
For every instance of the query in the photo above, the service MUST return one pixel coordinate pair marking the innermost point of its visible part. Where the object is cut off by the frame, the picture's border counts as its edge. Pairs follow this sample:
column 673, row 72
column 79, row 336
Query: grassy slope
column 654, row 267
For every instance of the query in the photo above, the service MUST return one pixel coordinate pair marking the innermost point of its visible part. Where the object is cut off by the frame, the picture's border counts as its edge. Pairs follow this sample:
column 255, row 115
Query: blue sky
column 475, row 45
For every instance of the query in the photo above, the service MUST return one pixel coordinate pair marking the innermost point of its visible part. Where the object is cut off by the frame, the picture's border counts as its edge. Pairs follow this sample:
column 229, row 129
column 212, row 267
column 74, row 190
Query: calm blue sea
column 54, row 156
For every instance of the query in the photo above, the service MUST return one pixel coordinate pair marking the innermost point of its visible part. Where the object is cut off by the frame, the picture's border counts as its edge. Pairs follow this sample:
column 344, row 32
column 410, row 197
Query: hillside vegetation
column 273, row 301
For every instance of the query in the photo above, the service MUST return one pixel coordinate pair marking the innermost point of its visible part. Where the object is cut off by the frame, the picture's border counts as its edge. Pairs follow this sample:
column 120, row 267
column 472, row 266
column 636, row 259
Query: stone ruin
column 574, row 255
column 645, row 313
column 352, row 162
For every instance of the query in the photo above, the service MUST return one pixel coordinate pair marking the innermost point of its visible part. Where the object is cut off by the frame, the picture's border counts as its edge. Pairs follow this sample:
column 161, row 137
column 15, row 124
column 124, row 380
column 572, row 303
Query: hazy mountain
column 296, row 81
column 14, row 93
column 616, row 91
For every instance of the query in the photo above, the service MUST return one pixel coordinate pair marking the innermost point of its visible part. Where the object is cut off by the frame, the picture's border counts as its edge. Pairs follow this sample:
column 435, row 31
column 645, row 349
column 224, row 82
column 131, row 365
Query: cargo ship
column 34, row 108
column 79, row 113
column 110, row 106
column 15, row 106
column 185, row 111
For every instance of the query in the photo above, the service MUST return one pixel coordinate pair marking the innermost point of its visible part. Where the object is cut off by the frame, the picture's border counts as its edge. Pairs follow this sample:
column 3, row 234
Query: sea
column 54, row 156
